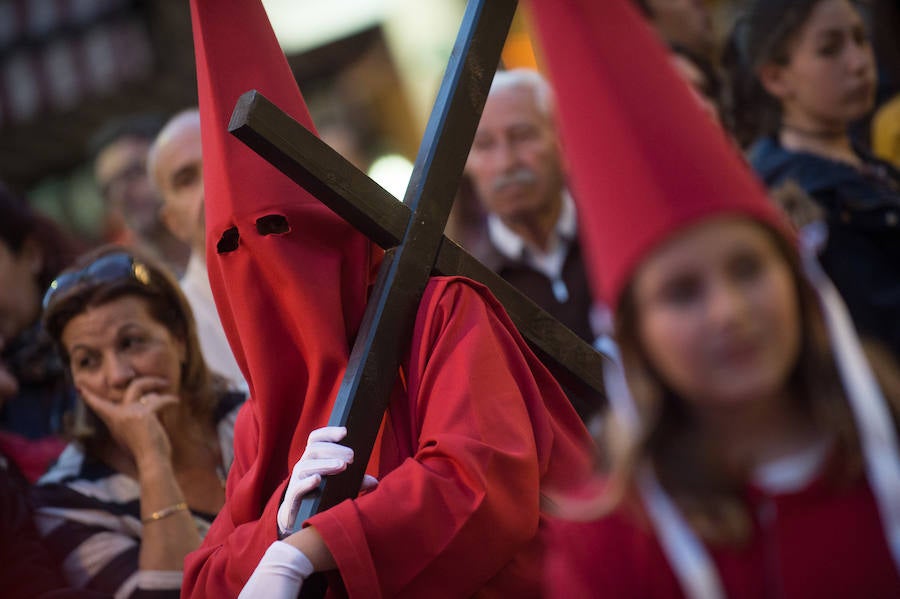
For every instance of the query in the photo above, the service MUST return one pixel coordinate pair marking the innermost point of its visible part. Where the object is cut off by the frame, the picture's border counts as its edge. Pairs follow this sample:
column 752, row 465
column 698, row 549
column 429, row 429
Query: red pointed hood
column 645, row 160
column 290, row 302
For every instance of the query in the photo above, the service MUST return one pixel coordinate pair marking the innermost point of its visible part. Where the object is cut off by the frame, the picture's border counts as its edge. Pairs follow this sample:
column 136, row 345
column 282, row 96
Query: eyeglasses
column 115, row 188
column 105, row 269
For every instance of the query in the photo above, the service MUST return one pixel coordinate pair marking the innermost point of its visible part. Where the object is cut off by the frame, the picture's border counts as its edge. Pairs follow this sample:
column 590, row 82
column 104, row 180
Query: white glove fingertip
column 320, row 467
column 290, row 506
column 368, row 483
column 327, row 433
column 326, row 449
column 309, row 484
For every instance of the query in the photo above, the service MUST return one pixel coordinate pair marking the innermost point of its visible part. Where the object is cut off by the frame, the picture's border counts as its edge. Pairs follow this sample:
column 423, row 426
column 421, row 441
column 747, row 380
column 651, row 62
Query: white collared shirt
column 548, row 262
column 213, row 343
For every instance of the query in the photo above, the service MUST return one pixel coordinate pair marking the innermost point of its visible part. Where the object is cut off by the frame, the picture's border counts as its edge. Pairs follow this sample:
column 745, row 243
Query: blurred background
column 369, row 70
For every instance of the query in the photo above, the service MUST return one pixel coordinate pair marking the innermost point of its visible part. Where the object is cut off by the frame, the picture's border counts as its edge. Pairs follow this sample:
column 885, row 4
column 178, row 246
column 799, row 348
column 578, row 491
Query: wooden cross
column 412, row 235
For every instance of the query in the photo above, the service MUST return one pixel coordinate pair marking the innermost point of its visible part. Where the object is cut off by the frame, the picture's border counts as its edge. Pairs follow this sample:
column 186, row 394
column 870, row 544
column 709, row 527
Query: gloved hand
column 322, row 456
column 279, row 574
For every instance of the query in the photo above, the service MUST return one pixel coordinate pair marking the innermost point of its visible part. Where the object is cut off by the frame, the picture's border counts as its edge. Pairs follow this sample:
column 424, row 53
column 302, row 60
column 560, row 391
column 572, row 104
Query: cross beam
column 412, row 235
column 349, row 192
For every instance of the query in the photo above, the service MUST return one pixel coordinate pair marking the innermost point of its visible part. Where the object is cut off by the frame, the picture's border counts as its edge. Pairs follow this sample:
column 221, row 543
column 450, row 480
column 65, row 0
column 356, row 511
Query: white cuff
column 284, row 555
column 279, row 575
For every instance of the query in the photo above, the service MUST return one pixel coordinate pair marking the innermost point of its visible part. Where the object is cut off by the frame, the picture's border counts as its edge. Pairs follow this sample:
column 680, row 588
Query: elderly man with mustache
column 515, row 167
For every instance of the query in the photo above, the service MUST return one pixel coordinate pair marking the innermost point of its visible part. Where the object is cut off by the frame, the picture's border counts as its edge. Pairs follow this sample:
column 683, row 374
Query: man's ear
column 173, row 224
column 165, row 216
column 775, row 81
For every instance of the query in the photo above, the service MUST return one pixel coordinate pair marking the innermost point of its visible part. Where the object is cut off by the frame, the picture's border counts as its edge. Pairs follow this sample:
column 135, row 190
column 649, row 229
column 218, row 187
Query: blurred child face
column 717, row 314
column 829, row 79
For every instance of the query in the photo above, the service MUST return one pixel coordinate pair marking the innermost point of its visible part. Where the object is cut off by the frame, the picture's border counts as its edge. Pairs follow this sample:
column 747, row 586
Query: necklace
column 815, row 133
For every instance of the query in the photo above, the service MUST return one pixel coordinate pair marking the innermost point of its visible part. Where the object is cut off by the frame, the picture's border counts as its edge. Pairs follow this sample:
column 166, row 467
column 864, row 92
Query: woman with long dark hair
column 801, row 73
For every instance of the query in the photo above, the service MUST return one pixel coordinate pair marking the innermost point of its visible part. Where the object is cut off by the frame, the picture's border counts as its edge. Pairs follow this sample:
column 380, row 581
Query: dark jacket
column 32, row 421
column 45, row 392
column 574, row 312
column 862, row 208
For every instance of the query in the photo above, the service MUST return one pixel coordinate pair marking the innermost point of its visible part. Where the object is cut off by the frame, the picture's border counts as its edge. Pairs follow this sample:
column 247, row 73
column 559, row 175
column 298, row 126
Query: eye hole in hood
column 229, row 241
column 272, row 224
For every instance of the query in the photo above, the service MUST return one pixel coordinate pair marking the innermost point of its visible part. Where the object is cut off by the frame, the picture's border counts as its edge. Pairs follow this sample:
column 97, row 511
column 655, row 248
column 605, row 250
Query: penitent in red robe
column 468, row 447
column 463, row 456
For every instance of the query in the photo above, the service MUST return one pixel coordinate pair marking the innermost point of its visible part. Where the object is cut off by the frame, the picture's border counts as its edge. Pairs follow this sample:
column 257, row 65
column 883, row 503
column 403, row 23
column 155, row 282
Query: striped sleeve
column 89, row 516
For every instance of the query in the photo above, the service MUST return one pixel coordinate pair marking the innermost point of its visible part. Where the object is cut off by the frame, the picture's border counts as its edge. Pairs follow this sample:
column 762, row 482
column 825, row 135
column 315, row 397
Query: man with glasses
column 119, row 151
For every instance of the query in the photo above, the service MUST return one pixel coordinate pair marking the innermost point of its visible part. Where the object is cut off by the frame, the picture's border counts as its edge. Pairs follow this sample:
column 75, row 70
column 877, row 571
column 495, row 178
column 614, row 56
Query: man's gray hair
column 530, row 79
column 188, row 116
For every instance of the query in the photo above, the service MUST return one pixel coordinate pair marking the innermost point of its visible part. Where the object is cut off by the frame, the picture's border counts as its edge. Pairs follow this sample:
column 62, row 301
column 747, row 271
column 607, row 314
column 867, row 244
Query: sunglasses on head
column 105, row 269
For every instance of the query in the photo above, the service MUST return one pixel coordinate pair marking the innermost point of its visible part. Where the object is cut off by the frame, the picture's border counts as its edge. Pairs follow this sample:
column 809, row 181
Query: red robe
column 820, row 541
column 465, row 453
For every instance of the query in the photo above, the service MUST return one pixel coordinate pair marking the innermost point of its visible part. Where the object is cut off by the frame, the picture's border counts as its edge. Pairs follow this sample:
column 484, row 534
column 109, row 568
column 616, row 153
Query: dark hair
column 761, row 35
column 139, row 126
column 167, row 306
column 20, row 223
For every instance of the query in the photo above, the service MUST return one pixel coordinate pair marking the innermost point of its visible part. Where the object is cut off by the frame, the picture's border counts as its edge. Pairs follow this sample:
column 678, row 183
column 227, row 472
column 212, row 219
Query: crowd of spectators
column 119, row 391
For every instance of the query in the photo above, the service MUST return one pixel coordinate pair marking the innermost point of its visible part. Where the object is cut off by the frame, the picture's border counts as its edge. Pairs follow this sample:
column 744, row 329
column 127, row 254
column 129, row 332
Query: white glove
column 279, row 574
column 322, row 456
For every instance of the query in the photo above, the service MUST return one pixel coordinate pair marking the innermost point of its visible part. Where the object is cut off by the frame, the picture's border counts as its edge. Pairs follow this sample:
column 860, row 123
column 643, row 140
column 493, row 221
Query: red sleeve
column 240, row 534
column 459, row 513
column 608, row 557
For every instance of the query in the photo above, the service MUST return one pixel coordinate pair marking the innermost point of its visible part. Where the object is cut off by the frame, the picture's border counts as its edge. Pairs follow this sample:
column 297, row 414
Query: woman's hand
column 134, row 422
column 169, row 532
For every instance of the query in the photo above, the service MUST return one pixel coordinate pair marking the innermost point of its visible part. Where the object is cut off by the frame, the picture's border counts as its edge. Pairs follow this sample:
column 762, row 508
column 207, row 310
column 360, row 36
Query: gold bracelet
column 166, row 511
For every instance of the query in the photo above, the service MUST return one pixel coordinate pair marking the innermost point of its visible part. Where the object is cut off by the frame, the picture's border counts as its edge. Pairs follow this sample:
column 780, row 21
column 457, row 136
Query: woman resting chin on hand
column 138, row 488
